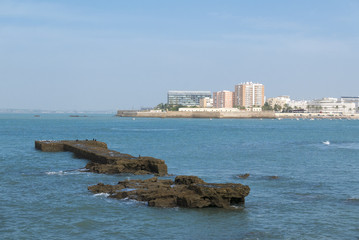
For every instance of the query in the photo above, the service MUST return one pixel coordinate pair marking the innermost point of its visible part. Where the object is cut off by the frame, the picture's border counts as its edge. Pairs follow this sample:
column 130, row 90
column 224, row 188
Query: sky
column 117, row 54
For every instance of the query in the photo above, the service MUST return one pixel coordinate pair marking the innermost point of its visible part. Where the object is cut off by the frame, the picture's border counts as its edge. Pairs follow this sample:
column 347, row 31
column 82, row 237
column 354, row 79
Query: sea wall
column 103, row 160
column 177, row 114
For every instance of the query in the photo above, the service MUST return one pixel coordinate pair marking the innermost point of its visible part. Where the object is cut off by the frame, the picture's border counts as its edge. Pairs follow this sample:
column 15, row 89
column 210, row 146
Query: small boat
column 326, row 142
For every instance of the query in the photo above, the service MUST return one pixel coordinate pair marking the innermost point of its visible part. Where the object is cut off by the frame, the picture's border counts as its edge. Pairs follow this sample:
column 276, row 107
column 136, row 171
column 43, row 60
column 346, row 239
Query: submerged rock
column 184, row 191
column 244, row 176
column 103, row 160
column 273, row 177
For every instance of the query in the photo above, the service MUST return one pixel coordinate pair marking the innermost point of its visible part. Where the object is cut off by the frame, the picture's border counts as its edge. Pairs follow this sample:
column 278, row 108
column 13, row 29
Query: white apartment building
column 281, row 101
column 354, row 100
column 331, row 106
column 301, row 104
column 249, row 94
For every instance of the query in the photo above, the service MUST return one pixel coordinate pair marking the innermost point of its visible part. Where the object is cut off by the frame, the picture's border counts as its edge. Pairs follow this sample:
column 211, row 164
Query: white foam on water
column 55, row 173
column 68, row 172
column 102, row 195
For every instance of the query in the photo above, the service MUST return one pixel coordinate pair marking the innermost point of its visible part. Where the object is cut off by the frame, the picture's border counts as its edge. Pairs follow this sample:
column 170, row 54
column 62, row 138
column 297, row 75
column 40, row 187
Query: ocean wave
column 101, row 194
column 55, row 173
column 68, row 172
column 144, row 129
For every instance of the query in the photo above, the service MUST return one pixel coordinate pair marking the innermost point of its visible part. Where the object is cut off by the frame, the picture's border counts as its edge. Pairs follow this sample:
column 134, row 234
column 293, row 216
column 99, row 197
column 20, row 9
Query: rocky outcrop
column 244, row 176
column 103, row 160
column 184, row 191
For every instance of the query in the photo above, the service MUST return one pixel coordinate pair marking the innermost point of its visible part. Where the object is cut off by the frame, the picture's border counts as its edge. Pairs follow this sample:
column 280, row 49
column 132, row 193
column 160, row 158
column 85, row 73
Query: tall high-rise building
column 186, row 98
column 249, row 94
column 223, row 99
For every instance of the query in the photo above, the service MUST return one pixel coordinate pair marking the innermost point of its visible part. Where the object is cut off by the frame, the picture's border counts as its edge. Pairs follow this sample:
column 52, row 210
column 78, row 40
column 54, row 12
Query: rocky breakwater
column 184, row 191
column 103, row 160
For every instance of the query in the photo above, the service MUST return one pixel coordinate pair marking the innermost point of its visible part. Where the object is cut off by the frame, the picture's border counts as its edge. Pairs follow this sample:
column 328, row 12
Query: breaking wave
column 101, row 194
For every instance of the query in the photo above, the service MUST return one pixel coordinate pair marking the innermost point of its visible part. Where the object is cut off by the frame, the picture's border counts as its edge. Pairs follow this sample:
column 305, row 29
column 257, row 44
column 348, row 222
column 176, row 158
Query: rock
column 244, row 176
column 184, row 191
column 103, row 160
column 186, row 180
column 273, row 177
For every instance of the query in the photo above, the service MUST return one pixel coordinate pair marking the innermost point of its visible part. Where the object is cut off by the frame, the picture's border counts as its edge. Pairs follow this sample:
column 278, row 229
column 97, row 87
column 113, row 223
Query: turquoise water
column 316, row 196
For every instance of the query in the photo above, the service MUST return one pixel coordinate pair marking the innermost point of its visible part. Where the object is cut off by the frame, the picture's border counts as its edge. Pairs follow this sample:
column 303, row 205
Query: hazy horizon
column 95, row 55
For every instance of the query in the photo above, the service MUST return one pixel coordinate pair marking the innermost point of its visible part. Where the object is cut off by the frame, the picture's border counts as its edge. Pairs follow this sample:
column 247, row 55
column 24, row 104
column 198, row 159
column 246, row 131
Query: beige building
column 206, row 102
column 249, row 94
column 223, row 99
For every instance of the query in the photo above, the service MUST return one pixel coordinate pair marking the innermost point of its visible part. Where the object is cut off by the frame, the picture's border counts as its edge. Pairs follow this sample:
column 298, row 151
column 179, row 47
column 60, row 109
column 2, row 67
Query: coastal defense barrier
column 184, row 191
column 103, row 160
column 177, row 114
column 62, row 146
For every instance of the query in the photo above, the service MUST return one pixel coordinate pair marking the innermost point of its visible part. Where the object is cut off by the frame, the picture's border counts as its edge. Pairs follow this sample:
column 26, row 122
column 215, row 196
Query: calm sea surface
column 316, row 195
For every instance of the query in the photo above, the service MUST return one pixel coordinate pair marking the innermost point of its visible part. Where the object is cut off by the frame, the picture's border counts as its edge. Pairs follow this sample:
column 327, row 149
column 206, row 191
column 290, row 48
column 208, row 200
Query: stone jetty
column 184, row 191
column 103, row 160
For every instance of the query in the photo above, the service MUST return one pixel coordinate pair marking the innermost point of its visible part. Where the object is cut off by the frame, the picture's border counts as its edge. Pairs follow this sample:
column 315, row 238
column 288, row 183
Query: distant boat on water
column 326, row 142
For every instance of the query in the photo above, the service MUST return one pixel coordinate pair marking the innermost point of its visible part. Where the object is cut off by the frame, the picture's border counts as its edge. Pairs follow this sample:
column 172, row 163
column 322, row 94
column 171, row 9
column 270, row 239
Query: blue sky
column 108, row 55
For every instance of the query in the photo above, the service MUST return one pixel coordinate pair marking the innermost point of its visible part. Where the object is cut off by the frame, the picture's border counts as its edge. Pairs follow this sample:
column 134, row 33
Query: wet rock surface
column 244, row 176
column 184, row 191
column 103, row 160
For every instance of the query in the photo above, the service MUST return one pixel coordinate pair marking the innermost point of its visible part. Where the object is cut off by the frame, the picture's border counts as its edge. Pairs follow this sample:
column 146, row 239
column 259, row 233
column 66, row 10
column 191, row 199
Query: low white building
column 331, row 106
column 209, row 110
column 296, row 105
column 354, row 100
column 254, row 109
column 280, row 101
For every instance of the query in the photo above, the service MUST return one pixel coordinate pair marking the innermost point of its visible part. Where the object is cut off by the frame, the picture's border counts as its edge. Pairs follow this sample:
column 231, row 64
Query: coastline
column 178, row 114
column 315, row 116
column 232, row 115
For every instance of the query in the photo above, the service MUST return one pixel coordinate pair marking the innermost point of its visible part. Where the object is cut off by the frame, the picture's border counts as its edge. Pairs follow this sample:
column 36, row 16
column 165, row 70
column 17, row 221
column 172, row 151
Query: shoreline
column 233, row 115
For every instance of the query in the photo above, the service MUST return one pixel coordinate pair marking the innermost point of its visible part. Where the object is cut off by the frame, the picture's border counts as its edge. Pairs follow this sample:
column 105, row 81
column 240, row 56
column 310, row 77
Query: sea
column 303, row 175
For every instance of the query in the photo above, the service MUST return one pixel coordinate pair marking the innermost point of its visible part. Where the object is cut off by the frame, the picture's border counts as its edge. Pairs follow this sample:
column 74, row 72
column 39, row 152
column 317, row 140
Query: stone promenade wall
column 175, row 114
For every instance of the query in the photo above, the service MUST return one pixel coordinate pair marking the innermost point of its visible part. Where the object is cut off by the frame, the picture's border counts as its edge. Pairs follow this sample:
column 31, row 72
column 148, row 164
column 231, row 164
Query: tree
column 168, row 107
column 267, row 107
column 277, row 107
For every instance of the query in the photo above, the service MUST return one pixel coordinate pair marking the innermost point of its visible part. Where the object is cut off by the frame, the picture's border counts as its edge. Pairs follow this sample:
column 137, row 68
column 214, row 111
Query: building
column 186, row 98
column 331, row 106
column 354, row 100
column 298, row 105
column 249, row 94
column 209, row 110
column 280, row 101
column 206, row 102
column 223, row 99
column 285, row 101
